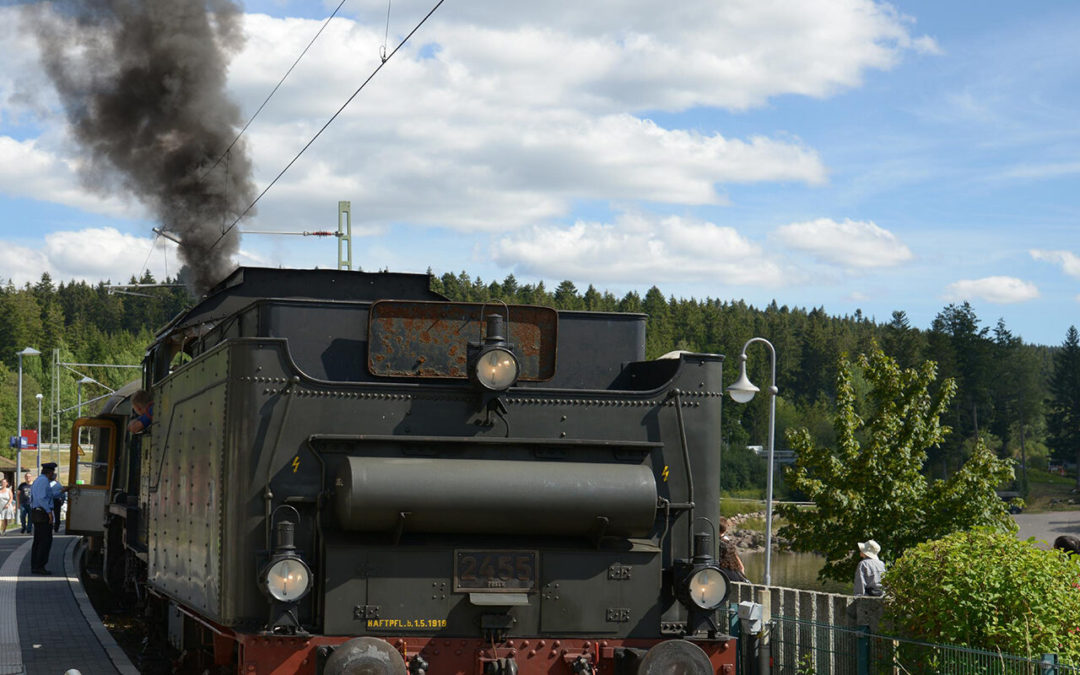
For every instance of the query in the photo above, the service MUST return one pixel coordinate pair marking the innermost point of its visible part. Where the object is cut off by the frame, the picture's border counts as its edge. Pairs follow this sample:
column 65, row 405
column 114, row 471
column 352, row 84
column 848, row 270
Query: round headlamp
column 287, row 579
column 707, row 588
column 496, row 369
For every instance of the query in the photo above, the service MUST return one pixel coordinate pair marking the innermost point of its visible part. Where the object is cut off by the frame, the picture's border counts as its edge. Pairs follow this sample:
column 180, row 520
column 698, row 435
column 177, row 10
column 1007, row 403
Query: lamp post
column 39, row 397
column 29, row 351
column 78, row 413
column 742, row 391
column 85, row 380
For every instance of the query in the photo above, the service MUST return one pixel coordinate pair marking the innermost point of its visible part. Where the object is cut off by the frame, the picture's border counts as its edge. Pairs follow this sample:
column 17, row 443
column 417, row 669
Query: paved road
column 1045, row 527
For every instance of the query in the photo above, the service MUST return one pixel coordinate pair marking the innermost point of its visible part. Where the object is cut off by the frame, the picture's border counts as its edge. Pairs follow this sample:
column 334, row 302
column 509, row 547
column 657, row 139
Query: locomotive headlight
column 287, row 579
column 496, row 369
column 707, row 588
column 699, row 583
column 491, row 363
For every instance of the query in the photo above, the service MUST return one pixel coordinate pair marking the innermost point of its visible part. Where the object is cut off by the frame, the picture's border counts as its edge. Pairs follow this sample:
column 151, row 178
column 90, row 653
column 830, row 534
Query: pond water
column 791, row 570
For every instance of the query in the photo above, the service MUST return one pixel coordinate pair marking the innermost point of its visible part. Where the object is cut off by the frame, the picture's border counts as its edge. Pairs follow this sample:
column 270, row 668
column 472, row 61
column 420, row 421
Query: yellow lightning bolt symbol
column 664, row 474
column 296, row 464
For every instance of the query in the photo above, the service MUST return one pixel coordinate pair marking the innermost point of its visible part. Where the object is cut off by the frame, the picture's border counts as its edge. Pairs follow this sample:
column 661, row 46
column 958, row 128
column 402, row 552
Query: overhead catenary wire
column 273, row 91
column 228, row 148
column 146, row 263
column 328, row 123
column 386, row 34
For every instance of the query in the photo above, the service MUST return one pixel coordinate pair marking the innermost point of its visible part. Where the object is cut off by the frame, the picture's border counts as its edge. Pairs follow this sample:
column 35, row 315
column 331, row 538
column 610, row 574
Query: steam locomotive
column 347, row 473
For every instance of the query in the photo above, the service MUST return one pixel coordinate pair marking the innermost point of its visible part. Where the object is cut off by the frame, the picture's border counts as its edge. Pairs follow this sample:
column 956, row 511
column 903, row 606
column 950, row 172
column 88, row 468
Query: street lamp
column 29, row 351
column 39, row 397
column 85, row 380
column 742, row 391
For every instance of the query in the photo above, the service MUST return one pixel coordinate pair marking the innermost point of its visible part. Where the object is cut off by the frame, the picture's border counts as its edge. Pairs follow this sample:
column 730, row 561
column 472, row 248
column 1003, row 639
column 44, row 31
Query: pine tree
column 1063, row 416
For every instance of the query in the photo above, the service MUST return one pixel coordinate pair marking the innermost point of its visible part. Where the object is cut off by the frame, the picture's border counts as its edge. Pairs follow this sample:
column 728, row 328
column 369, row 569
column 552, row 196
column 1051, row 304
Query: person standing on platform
column 7, row 505
column 24, row 503
column 727, row 556
column 57, row 490
column 42, row 496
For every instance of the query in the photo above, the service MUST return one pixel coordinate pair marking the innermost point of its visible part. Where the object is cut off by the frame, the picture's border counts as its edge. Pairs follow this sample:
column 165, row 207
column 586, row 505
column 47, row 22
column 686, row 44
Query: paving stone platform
column 47, row 624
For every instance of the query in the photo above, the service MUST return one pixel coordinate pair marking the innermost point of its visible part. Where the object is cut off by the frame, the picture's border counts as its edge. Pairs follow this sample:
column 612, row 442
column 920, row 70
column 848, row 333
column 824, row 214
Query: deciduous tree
column 990, row 591
column 871, row 484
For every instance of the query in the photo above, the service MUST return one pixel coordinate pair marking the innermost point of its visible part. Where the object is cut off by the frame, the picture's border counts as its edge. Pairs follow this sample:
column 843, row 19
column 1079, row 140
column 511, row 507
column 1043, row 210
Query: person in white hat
column 868, row 573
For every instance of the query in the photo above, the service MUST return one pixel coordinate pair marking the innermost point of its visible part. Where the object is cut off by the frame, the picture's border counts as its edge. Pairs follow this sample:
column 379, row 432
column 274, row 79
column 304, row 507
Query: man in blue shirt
column 42, row 496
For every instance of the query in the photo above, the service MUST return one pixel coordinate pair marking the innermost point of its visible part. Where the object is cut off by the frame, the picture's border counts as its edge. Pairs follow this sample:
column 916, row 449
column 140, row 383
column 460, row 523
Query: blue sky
column 837, row 153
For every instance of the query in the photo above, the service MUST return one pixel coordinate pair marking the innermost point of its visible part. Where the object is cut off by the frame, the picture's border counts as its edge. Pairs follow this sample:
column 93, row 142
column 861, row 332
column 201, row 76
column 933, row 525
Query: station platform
column 47, row 624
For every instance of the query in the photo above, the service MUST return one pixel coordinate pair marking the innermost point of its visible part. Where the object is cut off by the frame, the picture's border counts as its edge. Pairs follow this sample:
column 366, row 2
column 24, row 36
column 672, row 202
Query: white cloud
column 1069, row 261
column 850, row 244
column 638, row 248
column 998, row 290
column 27, row 170
column 479, row 137
column 92, row 255
column 644, row 55
column 1041, row 171
column 489, row 121
column 502, row 121
column 21, row 264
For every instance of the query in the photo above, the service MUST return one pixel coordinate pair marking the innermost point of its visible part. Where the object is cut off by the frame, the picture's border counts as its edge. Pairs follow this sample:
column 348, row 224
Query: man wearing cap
column 42, row 496
column 24, row 503
column 870, row 570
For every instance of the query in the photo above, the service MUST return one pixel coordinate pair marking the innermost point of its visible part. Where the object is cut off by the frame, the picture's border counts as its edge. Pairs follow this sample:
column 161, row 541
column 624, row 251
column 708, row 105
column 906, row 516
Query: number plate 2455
column 494, row 571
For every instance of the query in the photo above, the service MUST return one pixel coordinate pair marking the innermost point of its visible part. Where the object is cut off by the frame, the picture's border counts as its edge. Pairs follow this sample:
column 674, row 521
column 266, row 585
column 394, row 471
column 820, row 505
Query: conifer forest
column 1022, row 399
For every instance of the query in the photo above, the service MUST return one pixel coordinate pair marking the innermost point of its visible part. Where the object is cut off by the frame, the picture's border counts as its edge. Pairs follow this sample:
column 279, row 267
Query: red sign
column 31, row 439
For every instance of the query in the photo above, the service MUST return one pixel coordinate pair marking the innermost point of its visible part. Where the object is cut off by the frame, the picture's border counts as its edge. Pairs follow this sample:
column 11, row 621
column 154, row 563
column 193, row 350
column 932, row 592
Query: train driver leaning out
column 143, row 405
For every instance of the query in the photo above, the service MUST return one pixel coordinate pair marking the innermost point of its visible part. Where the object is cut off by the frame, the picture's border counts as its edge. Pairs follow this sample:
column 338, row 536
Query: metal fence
column 801, row 647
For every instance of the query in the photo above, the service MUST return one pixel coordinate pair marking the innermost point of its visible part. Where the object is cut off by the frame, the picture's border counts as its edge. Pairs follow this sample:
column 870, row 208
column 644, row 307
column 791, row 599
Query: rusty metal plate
column 495, row 571
column 429, row 339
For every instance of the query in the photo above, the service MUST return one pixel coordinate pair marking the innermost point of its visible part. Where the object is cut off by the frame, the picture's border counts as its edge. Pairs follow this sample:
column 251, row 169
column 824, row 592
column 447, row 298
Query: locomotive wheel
column 675, row 657
column 365, row 656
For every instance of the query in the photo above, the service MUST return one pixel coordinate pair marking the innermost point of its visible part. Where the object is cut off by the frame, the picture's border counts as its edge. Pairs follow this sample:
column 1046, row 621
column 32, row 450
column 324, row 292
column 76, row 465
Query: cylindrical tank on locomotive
column 346, row 469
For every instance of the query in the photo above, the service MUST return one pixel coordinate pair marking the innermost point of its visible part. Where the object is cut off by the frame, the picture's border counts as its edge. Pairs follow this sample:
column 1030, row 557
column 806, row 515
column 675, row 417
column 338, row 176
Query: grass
column 734, row 503
column 1048, row 492
column 1045, row 477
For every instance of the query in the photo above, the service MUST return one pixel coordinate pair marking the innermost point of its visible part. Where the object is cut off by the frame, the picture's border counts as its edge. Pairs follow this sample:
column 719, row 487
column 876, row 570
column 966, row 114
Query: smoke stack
column 143, row 87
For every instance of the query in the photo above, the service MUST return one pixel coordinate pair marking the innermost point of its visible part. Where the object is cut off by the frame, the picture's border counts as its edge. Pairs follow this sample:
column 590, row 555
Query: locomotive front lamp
column 701, row 585
column 707, row 588
column 496, row 369
column 286, row 578
column 492, row 364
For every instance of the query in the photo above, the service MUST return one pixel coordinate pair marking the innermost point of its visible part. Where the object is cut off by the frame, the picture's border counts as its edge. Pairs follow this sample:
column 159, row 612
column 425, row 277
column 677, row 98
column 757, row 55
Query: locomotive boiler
column 347, row 473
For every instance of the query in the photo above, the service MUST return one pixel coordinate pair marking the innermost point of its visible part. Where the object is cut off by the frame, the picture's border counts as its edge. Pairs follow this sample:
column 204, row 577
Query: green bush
column 987, row 590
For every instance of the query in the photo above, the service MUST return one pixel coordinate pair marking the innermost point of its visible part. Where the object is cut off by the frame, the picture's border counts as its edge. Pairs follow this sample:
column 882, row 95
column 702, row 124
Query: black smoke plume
column 142, row 83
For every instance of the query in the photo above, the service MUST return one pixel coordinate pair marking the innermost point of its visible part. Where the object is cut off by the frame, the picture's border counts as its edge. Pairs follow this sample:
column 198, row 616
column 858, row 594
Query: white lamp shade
column 742, row 390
